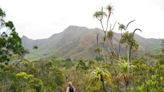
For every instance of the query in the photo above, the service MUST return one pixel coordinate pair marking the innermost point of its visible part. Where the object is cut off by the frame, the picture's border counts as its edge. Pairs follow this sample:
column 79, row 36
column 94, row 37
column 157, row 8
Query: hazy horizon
column 82, row 27
column 42, row 18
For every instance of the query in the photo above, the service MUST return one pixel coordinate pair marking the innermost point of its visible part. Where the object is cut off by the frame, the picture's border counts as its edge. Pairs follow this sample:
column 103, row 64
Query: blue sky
column 38, row 19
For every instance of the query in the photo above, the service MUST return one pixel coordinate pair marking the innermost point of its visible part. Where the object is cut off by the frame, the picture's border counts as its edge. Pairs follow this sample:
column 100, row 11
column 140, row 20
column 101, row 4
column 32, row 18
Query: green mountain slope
column 77, row 42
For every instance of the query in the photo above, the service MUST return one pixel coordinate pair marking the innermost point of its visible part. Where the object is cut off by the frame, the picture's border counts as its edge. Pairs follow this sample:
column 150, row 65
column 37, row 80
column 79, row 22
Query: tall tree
column 102, row 17
column 121, row 28
column 133, row 43
column 128, row 38
column 10, row 42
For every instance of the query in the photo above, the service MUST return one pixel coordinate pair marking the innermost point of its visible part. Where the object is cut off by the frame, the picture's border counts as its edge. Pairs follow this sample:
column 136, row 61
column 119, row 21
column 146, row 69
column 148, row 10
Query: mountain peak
column 75, row 28
column 25, row 37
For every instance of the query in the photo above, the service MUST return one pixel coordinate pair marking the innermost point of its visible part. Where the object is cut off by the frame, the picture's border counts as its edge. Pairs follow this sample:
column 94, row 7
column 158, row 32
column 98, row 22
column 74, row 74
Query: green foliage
column 99, row 15
column 122, row 27
column 81, row 65
column 162, row 46
column 129, row 40
column 2, row 13
column 110, row 34
column 86, row 75
column 35, row 47
column 24, row 75
column 10, row 43
column 109, row 8
column 36, row 84
column 52, row 74
column 22, row 81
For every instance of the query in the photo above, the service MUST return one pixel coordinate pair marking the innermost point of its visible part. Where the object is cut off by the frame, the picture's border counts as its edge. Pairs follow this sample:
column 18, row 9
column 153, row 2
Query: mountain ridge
column 76, row 42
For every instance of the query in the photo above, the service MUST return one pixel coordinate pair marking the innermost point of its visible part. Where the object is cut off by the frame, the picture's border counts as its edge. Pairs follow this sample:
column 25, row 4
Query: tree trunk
column 103, row 84
column 130, row 52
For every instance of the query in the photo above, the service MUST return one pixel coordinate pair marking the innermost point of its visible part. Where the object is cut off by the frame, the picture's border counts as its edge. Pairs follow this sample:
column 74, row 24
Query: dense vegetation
column 108, row 72
column 52, row 75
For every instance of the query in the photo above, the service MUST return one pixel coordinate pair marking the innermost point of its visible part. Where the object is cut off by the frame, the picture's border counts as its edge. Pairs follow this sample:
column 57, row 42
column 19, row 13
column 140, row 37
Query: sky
column 38, row 19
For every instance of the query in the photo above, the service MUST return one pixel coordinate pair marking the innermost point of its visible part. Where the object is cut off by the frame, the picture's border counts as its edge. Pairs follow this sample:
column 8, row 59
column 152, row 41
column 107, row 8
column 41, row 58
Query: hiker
column 70, row 87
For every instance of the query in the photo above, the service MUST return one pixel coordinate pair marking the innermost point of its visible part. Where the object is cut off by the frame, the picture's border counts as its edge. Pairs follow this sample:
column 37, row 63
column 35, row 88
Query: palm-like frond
column 136, row 30
column 110, row 34
column 109, row 8
column 100, row 73
column 129, row 24
column 121, row 27
column 99, row 15
column 125, row 37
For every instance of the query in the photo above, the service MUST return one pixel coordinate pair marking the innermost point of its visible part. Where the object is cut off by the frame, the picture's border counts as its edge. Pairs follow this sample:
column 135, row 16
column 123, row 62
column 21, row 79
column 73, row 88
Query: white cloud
column 42, row 18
